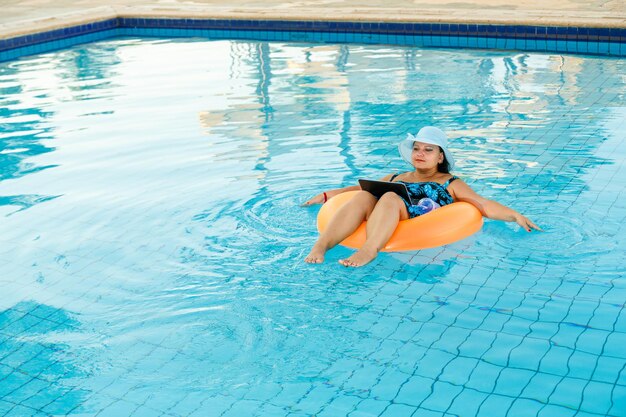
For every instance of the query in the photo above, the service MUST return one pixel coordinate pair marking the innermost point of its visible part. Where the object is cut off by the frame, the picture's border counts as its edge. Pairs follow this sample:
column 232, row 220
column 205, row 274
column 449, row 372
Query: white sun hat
column 427, row 134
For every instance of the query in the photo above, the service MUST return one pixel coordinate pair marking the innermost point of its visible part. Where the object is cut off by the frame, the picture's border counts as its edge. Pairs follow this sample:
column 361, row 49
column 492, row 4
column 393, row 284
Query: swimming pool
column 152, row 240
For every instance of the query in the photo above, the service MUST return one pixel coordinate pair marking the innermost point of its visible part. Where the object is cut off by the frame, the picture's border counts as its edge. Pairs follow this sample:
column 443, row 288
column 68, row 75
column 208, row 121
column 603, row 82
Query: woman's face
column 425, row 155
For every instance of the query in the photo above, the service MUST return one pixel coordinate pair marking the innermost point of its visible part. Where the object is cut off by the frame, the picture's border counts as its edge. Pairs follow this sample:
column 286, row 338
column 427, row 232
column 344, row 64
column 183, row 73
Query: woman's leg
column 381, row 224
column 347, row 219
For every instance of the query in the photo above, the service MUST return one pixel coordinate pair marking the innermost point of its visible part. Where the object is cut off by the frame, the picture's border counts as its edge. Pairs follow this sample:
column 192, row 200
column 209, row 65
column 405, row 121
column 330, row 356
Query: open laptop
column 378, row 188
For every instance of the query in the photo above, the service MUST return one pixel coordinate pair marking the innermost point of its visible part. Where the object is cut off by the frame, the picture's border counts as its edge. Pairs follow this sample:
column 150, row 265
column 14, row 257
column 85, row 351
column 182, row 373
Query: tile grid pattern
column 486, row 311
column 576, row 40
column 492, row 306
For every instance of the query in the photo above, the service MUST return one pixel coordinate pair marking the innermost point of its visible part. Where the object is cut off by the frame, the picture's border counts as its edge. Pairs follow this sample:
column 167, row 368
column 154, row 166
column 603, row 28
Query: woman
column 428, row 153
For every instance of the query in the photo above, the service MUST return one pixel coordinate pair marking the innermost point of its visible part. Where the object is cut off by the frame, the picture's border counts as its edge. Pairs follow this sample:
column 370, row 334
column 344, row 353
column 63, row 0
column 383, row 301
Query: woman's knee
column 391, row 198
column 364, row 197
column 392, row 201
column 363, row 201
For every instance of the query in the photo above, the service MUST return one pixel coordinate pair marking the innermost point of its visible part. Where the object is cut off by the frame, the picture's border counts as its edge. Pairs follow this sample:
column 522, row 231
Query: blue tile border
column 573, row 40
column 57, row 34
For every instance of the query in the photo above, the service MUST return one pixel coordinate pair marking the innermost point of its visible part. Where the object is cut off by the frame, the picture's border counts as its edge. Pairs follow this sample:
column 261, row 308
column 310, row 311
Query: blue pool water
column 152, row 242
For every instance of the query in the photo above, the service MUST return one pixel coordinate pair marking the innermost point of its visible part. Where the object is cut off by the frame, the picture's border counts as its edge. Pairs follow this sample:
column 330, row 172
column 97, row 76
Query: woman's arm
column 322, row 197
column 489, row 208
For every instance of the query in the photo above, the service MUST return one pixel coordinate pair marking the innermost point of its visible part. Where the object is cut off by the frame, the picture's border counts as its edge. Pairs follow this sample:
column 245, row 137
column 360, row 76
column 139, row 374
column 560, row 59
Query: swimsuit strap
column 445, row 185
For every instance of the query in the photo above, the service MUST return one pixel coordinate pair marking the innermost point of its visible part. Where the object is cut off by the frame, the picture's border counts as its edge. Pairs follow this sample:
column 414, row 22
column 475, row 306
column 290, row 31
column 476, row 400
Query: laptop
column 378, row 188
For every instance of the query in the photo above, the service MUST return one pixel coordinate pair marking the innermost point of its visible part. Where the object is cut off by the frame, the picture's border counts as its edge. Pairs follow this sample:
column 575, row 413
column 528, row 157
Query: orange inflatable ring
column 445, row 225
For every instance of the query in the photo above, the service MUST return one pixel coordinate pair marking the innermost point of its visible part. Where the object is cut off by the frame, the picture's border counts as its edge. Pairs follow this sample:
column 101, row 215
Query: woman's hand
column 318, row 199
column 526, row 223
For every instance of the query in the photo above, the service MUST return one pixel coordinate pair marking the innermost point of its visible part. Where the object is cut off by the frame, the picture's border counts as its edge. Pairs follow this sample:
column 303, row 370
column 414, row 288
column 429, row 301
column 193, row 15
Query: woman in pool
column 428, row 153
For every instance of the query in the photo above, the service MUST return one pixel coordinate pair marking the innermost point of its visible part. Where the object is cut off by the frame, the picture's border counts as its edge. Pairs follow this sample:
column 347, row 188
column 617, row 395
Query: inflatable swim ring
column 445, row 225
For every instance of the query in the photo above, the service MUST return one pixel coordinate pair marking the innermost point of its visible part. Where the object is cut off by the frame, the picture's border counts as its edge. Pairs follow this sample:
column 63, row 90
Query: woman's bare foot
column 316, row 256
column 359, row 258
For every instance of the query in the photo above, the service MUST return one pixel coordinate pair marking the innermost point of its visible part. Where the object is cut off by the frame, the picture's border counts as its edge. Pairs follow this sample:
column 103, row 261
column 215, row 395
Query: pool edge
column 35, row 37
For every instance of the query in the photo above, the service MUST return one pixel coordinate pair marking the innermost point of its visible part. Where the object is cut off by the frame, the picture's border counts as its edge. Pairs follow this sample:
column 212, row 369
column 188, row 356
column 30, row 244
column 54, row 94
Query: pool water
column 152, row 239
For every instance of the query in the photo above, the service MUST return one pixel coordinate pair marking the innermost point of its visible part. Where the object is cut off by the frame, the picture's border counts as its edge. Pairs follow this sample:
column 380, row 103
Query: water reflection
column 31, row 118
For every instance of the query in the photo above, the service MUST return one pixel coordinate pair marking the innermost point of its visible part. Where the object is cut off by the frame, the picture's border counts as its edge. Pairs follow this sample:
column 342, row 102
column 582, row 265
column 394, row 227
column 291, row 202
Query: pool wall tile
column 572, row 40
column 614, row 48
column 603, row 48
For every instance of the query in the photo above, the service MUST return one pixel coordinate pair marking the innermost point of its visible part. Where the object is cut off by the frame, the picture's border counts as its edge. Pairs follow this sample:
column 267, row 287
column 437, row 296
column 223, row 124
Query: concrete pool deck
column 21, row 17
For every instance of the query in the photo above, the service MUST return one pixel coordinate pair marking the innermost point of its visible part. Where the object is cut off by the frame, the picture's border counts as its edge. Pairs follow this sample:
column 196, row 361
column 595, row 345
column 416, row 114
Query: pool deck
column 20, row 17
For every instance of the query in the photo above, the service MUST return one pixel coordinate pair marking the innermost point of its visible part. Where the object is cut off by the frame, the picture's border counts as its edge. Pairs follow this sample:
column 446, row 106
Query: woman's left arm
column 491, row 209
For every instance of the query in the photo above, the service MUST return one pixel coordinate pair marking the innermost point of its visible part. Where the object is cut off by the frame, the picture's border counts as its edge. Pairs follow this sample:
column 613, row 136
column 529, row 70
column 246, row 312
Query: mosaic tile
column 417, row 335
column 340, row 406
column 445, row 35
column 541, row 386
column 556, row 411
column 568, row 393
column 521, row 407
column 494, row 405
column 618, row 399
column 441, row 397
column 387, row 386
column 369, row 408
column 511, row 382
column 398, row 410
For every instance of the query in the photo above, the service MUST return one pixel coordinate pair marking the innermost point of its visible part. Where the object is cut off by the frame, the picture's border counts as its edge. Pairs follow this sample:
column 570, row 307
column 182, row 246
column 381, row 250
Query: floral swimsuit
column 433, row 190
